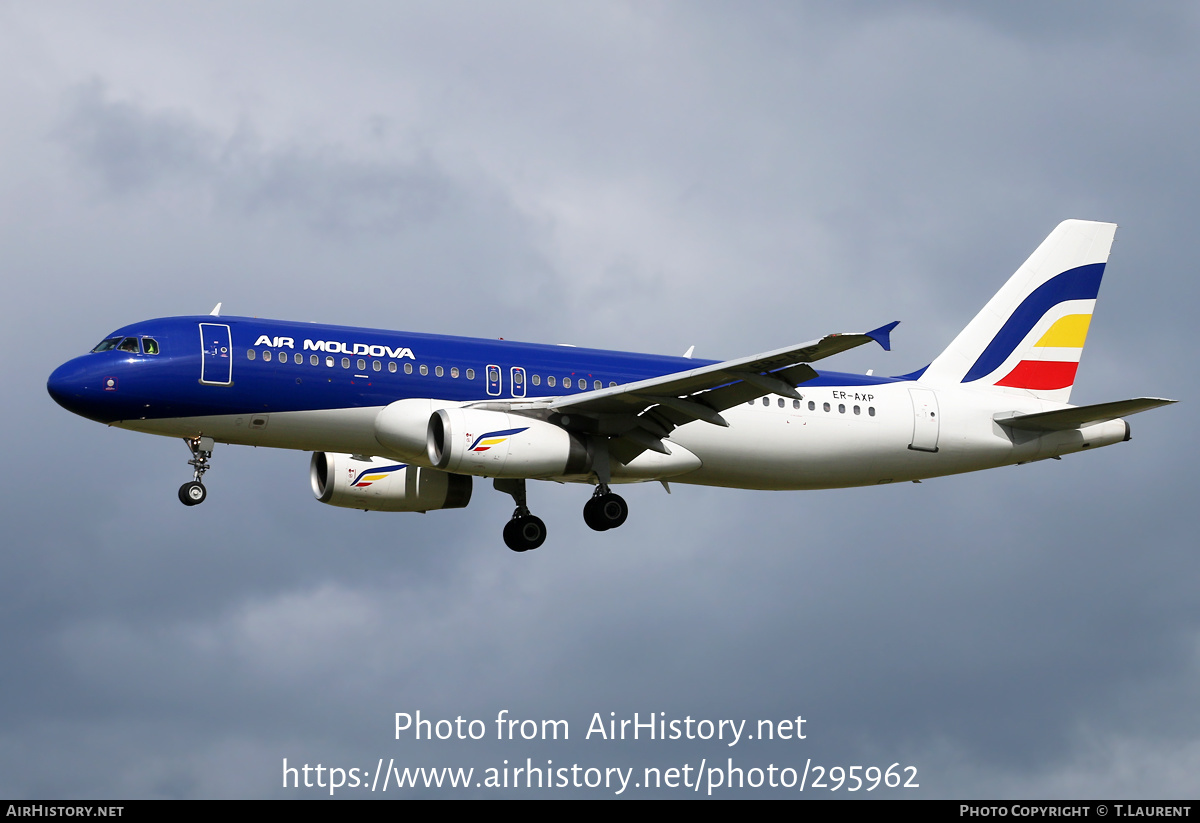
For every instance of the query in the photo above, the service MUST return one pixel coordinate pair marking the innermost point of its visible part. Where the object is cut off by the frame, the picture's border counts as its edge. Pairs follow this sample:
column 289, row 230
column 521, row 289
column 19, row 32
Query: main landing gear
column 524, row 531
column 605, row 510
column 193, row 493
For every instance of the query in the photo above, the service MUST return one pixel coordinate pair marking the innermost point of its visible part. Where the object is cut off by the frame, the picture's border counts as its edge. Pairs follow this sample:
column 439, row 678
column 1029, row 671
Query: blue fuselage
column 314, row 367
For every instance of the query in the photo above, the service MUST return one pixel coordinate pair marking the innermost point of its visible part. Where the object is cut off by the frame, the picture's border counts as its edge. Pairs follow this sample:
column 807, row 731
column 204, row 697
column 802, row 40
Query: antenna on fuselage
column 216, row 312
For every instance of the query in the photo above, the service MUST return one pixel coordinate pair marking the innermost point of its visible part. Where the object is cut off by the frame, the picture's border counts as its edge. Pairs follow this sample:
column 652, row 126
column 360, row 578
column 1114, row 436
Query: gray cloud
column 642, row 177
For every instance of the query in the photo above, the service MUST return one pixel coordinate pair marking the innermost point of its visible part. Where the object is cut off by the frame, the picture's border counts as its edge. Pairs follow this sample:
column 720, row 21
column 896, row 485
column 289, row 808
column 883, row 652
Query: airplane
column 401, row 421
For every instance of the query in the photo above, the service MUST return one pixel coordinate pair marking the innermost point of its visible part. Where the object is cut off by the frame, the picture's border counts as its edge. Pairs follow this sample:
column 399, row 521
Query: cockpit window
column 147, row 345
column 107, row 344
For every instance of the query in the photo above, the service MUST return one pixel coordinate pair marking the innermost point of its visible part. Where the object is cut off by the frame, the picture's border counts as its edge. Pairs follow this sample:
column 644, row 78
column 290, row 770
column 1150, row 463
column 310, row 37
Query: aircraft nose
column 60, row 384
column 77, row 388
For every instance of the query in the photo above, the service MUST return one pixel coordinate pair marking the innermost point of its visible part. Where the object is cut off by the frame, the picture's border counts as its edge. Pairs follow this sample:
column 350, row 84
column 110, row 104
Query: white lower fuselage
column 914, row 432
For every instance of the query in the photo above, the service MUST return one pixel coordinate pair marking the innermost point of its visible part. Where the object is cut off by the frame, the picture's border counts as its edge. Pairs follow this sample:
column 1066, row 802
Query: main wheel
column 605, row 512
column 521, row 534
column 192, row 494
column 593, row 516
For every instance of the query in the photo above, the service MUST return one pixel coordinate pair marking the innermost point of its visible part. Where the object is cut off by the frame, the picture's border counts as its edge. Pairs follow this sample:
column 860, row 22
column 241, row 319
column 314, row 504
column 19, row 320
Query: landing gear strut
column 524, row 531
column 193, row 493
column 605, row 510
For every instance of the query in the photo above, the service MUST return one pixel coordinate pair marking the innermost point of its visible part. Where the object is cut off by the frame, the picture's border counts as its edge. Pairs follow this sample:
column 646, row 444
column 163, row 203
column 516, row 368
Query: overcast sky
column 644, row 176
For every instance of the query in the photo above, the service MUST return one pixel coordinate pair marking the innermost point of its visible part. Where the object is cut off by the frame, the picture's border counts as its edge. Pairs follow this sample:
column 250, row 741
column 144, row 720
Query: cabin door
column 925, row 420
column 216, row 364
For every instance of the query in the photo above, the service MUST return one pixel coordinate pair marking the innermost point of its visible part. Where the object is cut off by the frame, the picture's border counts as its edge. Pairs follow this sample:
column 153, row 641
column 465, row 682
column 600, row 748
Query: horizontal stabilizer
column 1074, row 418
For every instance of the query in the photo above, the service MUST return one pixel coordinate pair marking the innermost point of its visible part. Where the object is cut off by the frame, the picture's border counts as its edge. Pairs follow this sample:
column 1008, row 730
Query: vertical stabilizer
column 1028, row 339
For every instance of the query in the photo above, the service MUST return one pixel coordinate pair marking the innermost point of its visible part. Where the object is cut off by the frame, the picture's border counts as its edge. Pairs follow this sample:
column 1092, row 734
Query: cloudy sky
column 645, row 176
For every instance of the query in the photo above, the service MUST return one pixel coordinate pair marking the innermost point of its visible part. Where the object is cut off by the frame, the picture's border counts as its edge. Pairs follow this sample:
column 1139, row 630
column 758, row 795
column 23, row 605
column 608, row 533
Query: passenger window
column 439, row 371
column 267, row 356
column 470, row 374
column 597, row 385
column 825, row 406
column 871, row 410
column 812, row 406
column 612, row 383
column 250, row 354
column 408, row 368
column 780, row 402
column 766, row 401
column 376, row 365
column 551, row 380
column 345, row 362
column 149, row 345
column 299, row 359
column 454, row 371
column 857, row 410
column 362, row 364
column 841, row 408
column 392, row 367
column 566, row 382
column 314, row 360
column 328, row 362
column 424, row 370
column 537, row 379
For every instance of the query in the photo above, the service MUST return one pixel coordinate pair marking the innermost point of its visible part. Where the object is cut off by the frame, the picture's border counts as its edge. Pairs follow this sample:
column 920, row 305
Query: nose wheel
column 605, row 510
column 194, row 493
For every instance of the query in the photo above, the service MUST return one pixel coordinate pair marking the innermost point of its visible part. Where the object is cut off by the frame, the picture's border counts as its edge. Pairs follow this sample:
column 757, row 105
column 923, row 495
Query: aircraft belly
column 350, row 431
column 769, row 449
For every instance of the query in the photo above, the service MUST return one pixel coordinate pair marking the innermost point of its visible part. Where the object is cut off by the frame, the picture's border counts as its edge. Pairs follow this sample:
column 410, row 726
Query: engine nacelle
column 403, row 427
column 498, row 444
column 382, row 485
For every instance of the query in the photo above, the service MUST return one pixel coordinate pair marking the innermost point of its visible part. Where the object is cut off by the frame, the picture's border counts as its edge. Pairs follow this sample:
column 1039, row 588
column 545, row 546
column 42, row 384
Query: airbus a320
column 404, row 422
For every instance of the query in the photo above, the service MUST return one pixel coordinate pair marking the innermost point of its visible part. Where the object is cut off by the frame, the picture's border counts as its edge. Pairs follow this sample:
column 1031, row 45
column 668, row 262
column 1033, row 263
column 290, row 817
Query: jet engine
column 377, row 484
column 498, row 444
column 402, row 428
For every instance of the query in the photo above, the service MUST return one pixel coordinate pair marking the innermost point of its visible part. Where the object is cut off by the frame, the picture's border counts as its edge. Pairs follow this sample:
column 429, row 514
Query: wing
column 639, row 415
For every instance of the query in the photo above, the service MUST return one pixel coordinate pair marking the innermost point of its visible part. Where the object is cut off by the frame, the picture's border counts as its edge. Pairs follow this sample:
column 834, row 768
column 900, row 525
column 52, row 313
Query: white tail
column 1029, row 337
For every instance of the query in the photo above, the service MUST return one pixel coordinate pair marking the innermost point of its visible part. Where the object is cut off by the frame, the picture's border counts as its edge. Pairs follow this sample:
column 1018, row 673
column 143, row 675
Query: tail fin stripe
column 1040, row 375
column 1068, row 332
column 1081, row 283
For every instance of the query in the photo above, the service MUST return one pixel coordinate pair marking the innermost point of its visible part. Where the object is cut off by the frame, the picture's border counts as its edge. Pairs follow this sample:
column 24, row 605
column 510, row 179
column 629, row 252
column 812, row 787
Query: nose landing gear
column 194, row 493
